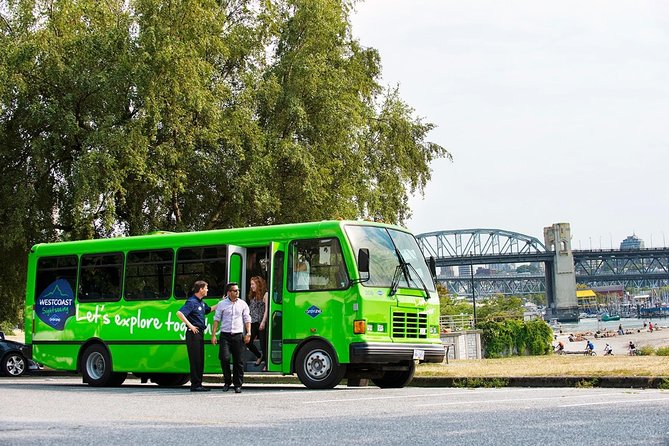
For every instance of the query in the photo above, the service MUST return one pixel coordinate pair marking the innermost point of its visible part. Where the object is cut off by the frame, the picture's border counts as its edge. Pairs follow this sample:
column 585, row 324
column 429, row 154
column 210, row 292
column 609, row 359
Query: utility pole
column 471, row 268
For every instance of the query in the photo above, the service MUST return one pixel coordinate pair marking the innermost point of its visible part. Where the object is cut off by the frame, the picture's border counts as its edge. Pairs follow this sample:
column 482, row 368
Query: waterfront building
column 632, row 242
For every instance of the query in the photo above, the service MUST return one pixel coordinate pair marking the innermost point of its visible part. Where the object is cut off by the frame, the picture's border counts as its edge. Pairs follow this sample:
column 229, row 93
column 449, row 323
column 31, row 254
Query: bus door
column 275, row 301
column 236, row 270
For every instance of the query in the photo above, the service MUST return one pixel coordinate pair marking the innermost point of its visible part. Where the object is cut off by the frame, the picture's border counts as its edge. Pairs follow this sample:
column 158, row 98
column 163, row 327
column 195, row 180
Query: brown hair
column 261, row 288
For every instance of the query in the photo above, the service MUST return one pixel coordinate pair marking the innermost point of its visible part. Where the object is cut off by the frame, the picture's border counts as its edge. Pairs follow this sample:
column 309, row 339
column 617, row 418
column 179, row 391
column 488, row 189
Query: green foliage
column 480, row 382
column 538, row 298
column 664, row 384
column 645, row 350
column 662, row 351
column 7, row 328
column 587, row 383
column 514, row 337
column 124, row 117
column 500, row 307
column 451, row 306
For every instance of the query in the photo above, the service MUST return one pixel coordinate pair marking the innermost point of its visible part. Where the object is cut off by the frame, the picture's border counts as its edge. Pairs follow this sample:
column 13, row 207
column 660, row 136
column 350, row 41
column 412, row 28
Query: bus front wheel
column 97, row 367
column 317, row 366
column 395, row 379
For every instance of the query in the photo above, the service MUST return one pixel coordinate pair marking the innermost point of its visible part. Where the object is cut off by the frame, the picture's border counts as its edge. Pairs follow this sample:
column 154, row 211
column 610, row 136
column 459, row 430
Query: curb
column 635, row 382
column 622, row 382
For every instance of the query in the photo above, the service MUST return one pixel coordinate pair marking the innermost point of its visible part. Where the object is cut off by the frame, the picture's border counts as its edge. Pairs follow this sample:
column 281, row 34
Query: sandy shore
column 640, row 337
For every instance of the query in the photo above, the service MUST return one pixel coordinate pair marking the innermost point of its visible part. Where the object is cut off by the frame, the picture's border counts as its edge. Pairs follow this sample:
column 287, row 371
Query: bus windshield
column 388, row 248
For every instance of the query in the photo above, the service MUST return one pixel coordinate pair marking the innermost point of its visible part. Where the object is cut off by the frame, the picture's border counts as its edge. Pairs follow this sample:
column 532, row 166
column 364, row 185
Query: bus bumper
column 366, row 352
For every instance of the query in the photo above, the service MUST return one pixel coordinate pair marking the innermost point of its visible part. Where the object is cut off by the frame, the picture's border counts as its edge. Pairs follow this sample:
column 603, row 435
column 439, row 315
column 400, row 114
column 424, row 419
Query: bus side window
column 148, row 274
column 100, row 277
column 201, row 263
column 277, row 277
column 52, row 269
column 317, row 264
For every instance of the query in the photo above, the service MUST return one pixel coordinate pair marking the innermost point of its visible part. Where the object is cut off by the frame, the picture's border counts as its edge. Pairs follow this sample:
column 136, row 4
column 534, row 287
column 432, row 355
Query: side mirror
column 433, row 267
column 363, row 261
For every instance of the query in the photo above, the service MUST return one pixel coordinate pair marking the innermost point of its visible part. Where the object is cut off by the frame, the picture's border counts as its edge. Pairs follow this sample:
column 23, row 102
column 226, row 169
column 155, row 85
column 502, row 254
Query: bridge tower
column 560, row 274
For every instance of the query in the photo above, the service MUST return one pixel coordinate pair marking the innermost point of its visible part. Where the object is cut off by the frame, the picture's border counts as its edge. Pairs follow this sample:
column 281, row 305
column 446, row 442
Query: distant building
column 464, row 270
column 632, row 242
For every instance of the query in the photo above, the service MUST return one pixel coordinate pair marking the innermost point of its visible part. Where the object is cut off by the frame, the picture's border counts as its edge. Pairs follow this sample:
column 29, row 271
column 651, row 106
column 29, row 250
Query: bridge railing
column 456, row 322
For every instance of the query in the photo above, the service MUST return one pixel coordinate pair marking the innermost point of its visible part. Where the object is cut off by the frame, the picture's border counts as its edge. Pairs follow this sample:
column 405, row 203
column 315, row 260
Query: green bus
column 363, row 307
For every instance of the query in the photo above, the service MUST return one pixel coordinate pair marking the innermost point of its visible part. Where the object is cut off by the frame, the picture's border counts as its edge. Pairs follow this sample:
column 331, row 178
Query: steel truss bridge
column 640, row 268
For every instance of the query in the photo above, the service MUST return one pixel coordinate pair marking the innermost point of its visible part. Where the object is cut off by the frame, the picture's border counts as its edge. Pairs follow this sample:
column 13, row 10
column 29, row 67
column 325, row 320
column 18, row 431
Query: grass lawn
column 550, row 365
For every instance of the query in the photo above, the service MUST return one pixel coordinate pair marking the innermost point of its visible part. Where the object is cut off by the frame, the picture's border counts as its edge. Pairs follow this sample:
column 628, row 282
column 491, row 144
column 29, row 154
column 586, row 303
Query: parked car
column 15, row 358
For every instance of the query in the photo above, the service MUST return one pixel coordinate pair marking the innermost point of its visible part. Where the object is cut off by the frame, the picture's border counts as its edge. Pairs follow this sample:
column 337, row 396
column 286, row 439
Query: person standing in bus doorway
column 233, row 315
column 257, row 301
column 193, row 313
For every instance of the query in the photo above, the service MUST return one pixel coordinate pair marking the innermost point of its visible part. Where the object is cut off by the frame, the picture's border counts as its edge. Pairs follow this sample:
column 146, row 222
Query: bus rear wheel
column 97, row 368
column 395, row 379
column 317, row 366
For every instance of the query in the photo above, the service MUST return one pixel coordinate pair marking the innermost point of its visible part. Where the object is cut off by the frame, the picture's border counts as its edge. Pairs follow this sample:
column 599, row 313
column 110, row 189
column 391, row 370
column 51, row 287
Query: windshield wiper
column 400, row 270
column 403, row 269
column 427, row 293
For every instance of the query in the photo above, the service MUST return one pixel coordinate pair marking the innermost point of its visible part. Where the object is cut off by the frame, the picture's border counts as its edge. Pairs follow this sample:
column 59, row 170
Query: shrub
column 646, row 350
column 514, row 337
column 7, row 328
column 662, row 351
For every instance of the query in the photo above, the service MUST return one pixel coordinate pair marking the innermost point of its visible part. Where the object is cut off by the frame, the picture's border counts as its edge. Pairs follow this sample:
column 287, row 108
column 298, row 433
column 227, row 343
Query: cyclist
column 560, row 348
column 632, row 348
column 608, row 350
column 589, row 346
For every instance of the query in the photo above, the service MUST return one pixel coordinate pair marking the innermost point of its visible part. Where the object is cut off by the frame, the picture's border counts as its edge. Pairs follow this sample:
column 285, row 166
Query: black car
column 15, row 358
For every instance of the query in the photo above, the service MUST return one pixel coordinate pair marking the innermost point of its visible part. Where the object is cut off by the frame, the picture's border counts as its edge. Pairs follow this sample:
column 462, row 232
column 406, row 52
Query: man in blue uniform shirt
column 193, row 313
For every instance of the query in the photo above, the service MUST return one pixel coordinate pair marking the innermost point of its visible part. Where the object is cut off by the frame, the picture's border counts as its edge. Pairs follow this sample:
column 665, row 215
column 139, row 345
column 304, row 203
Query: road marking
column 516, row 400
column 614, row 402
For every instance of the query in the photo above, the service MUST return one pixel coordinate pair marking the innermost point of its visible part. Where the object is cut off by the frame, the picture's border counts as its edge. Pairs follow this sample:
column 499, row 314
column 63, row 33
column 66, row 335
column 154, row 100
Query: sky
column 553, row 112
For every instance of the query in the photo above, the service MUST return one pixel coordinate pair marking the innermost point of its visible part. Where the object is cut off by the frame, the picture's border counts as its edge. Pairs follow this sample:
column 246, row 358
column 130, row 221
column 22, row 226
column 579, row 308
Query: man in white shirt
column 232, row 314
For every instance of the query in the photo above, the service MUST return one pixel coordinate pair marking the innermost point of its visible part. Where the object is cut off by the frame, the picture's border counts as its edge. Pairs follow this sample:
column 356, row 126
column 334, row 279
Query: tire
column 14, row 364
column 317, row 366
column 96, row 367
column 395, row 379
column 170, row 379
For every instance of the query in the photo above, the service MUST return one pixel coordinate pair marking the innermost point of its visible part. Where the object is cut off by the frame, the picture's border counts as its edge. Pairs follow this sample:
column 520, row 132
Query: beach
column 640, row 336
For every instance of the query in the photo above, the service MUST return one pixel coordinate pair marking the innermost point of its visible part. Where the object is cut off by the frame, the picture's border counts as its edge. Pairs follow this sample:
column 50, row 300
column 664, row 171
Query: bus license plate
column 419, row 354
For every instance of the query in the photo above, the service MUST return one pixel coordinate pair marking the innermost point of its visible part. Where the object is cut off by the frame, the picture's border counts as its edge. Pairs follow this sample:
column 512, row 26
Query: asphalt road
column 62, row 411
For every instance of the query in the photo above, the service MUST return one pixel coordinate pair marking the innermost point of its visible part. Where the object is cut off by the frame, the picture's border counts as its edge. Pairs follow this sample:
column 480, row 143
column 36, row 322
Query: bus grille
column 409, row 325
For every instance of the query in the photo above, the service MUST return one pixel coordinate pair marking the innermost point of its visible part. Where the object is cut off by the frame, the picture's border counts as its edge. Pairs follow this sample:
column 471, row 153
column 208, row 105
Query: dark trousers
column 257, row 333
column 232, row 344
column 195, row 345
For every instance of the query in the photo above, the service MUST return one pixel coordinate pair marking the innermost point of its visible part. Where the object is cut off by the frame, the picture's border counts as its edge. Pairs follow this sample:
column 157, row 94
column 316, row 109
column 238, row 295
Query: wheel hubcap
column 16, row 365
column 318, row 365
column 95, row 365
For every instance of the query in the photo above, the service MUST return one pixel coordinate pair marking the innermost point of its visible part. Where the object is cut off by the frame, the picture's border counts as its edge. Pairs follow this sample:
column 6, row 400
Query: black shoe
column 226, row 387
column 238, row 390
column 199, row 389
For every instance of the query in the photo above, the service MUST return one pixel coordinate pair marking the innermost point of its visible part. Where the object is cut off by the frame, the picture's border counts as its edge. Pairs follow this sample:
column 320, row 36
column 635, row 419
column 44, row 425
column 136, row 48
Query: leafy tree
column 500, row 307
column 451, row 306
column 122, row 117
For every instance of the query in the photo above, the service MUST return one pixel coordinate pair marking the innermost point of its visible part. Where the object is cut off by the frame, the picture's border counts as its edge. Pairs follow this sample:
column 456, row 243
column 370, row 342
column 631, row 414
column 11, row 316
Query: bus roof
column 248, row 236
